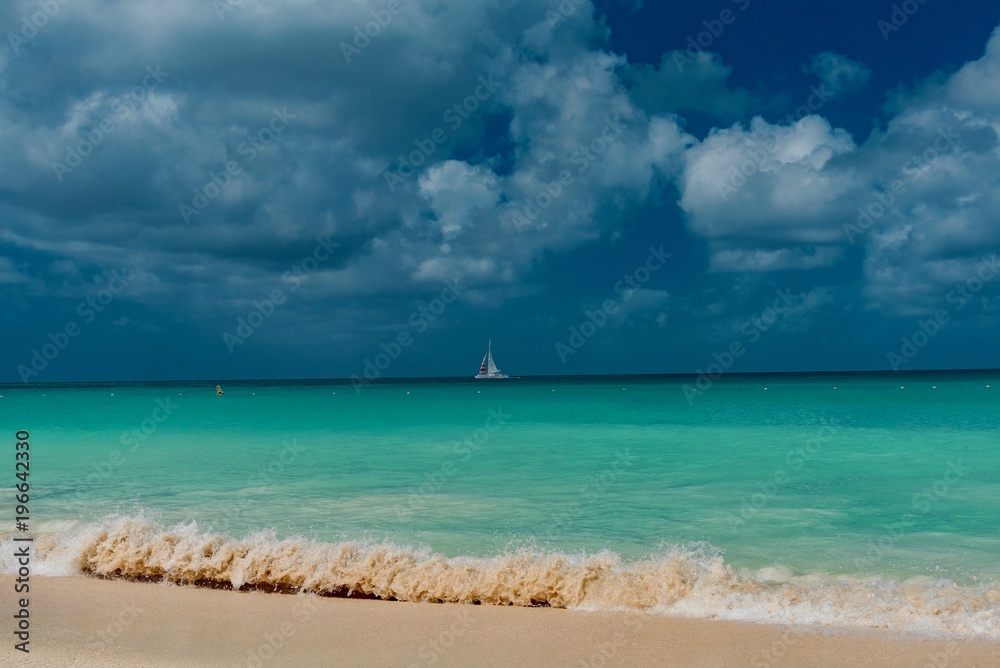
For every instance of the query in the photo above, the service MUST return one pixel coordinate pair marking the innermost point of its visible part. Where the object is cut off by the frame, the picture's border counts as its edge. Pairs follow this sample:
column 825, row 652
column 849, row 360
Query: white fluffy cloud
column 457, row 191
column 920, row 196
column 768, row 184
column 579, row 140
column 945, row 156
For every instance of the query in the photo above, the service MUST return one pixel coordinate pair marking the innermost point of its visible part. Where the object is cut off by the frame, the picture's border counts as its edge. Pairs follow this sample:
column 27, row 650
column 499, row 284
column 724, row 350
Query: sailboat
column 488, row 369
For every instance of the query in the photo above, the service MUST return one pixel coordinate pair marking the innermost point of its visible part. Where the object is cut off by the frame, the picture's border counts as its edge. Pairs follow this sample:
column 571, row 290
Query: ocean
column 821, row 500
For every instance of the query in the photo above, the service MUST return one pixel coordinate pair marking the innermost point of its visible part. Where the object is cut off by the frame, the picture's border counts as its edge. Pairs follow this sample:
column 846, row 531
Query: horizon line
column 348, row 379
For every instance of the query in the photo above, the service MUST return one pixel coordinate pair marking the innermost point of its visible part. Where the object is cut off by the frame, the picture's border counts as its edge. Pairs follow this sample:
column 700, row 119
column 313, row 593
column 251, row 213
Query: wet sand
column 89, row 622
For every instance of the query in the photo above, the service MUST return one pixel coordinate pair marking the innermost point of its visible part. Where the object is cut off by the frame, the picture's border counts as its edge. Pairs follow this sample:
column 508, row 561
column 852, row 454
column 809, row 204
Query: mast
column 492, row 368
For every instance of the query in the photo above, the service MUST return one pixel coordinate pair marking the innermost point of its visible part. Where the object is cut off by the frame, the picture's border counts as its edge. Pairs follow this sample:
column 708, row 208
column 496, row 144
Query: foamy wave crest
column 691, row 581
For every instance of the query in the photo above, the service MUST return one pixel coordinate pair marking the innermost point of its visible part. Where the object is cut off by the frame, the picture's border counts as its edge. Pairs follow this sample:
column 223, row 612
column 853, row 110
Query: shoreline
column 85, row 621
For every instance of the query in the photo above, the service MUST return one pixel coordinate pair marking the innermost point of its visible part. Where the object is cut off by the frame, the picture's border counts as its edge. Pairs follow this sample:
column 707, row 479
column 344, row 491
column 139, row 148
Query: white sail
column 491, row 368
column 488, row 369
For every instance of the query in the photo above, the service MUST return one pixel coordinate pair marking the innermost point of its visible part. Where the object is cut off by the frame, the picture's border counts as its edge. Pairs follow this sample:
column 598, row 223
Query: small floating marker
column 901, row 387
column 765, row 388
column 933, row 387
column 407, row 392
column 835, row 387
column 479, row 391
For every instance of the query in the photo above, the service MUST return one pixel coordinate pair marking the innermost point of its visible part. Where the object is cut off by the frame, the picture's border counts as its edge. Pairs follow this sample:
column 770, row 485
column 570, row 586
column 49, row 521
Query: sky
column 217, row 189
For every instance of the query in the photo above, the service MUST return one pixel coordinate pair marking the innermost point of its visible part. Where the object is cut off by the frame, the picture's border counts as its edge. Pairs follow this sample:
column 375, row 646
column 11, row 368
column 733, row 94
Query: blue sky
column 278, row 188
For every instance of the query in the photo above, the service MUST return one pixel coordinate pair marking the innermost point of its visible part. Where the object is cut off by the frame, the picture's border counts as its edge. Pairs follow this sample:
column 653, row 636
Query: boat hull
column 491, row 376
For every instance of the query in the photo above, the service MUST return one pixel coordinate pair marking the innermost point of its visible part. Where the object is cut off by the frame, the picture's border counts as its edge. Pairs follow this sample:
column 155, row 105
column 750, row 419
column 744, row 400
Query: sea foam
column 690, row 580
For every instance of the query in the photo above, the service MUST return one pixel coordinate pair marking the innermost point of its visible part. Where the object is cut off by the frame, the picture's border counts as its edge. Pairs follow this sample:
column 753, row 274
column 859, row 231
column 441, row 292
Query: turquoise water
column 886, row 477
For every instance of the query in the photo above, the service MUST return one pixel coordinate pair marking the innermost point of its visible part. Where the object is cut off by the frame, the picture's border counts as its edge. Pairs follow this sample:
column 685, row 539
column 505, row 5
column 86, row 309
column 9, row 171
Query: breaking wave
column 689, row 581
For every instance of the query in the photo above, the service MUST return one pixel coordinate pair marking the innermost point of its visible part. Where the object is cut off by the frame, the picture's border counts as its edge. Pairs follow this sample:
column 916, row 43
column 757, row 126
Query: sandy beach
column 89, row 622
